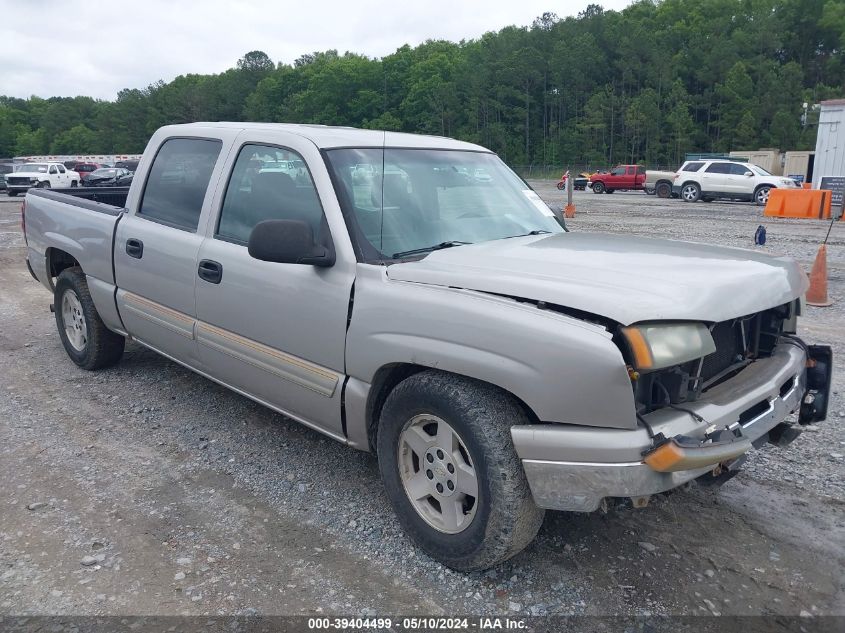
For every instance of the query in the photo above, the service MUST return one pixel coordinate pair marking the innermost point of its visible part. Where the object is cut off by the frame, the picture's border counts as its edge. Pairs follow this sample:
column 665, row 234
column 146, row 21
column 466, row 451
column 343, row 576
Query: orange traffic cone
column 569, row 210
column 817, row 293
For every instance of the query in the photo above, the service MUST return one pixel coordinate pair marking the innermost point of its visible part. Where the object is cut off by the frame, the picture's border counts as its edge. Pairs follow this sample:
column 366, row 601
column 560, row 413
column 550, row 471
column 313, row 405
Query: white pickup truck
column 497, row 364
column 40, row 175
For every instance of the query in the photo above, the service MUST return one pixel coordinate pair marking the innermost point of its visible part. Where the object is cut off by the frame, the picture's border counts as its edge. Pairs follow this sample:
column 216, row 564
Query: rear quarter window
column 692, row 167
column 178, row 181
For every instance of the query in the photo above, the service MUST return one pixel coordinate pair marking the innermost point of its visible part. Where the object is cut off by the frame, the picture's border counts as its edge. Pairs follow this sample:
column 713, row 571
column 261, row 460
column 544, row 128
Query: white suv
column 710, row 179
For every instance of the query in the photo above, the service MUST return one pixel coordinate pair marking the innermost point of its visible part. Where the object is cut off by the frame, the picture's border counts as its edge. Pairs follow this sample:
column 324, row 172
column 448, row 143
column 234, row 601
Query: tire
column 690, row 192
column 663, row 190
column 12, row 194
column 609, row 190
column 502, row 519
column 649, row 192
column 44, row 184
column 88, row 342
column 598, row 187
column 761, row 195
column 560, row 185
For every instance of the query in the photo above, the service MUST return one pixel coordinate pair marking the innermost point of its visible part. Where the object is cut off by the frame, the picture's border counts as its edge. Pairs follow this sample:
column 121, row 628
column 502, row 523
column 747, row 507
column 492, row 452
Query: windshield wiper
column 534, row 232
column 428, row 249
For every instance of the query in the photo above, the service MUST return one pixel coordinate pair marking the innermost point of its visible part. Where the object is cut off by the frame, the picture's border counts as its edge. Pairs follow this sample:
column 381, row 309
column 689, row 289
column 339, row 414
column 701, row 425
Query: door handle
column 134, row 248
column 210, row 271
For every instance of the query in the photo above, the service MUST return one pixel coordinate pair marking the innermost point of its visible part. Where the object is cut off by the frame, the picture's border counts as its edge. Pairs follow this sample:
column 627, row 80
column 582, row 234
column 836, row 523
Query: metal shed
column 830, row 143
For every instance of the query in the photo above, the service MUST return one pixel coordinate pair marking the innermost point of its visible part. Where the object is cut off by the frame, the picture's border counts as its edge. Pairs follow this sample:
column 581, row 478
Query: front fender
column 564, row 369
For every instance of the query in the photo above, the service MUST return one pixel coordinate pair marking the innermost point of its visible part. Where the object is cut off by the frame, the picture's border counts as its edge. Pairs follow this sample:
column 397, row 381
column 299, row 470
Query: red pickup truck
column 620, row 177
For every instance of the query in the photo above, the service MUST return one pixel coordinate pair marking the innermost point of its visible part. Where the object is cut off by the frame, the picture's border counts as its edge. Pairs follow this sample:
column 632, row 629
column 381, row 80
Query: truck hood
column 27, row 174
column 626, row 279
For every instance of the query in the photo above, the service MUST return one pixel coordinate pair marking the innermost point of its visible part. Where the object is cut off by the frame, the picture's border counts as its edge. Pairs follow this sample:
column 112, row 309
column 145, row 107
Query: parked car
column 125, row 180
column 130, row 165
column 40, row 175
column 497, row 364
column 659, row 183
column 104, row 177
column 83, row 169
column 621, row 177
column 710, row 179
column 5, row 168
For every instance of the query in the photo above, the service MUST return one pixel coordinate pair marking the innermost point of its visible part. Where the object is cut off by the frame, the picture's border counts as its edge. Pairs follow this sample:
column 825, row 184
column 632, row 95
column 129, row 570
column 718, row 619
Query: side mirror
column 749, row 173
column 288, row 242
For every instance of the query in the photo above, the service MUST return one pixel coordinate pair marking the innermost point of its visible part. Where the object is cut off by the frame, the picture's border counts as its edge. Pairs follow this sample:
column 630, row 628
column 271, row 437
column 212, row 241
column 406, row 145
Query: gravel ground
column 146, row 489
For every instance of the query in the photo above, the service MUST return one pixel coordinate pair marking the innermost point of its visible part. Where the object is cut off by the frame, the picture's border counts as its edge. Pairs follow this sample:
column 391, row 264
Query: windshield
column 33, row 167
column 402, row 200
column 760, row 171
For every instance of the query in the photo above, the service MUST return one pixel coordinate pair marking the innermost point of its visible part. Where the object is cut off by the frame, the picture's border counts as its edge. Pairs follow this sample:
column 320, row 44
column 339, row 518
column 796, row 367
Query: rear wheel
column 451, row 471
column 663, row 190
column 86, row 339
column 598, row 187
column 690, row 192
column 761, row 195
column 560, row 185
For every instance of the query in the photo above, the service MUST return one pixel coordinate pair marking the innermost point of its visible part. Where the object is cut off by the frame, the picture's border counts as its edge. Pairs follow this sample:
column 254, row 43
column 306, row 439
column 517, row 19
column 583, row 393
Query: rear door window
column 718, row 168
column 178, row 181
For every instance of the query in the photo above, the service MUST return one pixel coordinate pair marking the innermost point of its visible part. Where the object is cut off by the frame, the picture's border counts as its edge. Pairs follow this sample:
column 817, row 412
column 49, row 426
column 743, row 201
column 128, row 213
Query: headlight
column 33, row 181
column 659, row 345
column 789, row 182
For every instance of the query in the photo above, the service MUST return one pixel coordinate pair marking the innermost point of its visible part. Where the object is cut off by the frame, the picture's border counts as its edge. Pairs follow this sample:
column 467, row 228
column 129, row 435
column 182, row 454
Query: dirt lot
column 146, row 489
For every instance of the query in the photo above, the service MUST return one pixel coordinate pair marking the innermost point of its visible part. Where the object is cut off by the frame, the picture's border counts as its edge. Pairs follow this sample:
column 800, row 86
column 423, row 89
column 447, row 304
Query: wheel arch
column 58, row 260
column 390, row 375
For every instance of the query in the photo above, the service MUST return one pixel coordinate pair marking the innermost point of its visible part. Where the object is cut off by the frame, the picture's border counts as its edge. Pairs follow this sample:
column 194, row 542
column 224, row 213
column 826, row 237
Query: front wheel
column 86, row 339
column 451, row 471
column 598, row 187
column 44, row 184
column 690, row 192
column 761, row 196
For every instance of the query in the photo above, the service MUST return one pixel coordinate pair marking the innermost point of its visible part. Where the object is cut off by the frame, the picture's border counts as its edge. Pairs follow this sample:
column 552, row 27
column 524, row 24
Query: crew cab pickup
column 621, row 177
column 497, row 364
column 43, row 175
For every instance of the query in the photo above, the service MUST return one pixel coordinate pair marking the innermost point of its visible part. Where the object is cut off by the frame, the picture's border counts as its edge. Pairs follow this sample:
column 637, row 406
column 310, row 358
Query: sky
column 65, row 48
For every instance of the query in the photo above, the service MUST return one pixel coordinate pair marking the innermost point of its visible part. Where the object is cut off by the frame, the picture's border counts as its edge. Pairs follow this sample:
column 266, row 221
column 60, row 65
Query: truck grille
column 16, row 180
column 727, row 336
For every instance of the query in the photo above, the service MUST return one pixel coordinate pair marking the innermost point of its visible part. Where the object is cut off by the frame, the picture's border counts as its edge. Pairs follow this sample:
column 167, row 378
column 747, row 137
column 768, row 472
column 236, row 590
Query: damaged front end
column 736, row 345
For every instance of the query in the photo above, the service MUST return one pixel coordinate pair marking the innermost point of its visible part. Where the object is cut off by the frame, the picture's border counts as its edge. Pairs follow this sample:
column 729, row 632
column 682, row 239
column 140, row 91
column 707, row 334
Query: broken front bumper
column 575, row 467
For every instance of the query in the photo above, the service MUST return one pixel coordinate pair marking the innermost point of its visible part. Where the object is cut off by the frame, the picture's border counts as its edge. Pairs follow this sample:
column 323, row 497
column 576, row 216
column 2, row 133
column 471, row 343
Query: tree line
column 645, row 84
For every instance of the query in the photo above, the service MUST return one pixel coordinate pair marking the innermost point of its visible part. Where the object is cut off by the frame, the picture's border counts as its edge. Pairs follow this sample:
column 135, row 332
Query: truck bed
column 79, row 222
column 106, row 196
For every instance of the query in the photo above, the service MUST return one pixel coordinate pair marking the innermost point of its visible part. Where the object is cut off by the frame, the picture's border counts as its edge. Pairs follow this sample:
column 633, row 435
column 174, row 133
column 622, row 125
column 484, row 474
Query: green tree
column 77, row 140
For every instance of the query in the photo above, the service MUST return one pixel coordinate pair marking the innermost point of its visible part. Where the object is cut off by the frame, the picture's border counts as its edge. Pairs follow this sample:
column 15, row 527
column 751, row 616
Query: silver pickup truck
column 411, row 296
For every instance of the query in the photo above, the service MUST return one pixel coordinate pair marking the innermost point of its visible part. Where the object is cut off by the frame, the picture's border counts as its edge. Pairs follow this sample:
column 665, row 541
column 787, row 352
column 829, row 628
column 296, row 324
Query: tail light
column 23, row 220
